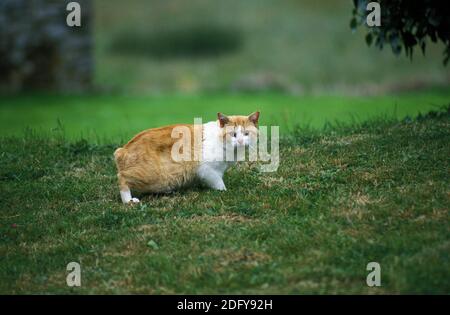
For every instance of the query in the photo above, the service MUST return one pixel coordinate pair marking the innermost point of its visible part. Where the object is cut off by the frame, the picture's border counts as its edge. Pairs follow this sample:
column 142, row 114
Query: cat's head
column 239, row 130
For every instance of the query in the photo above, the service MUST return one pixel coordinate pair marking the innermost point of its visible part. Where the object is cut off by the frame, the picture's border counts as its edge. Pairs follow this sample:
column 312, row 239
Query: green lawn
column 117, row 118
column 341, row 198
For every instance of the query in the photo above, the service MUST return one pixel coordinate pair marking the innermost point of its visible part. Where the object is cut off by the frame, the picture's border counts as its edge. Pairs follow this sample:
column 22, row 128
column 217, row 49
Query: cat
column 146, row 163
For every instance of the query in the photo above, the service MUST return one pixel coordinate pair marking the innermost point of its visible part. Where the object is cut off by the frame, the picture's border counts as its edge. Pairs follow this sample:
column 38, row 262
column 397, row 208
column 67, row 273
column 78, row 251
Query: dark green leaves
column 406, row 24
column 369, row 39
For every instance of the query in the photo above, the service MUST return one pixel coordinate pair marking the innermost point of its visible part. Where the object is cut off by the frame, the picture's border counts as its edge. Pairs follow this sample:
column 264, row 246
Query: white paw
column 131, row 201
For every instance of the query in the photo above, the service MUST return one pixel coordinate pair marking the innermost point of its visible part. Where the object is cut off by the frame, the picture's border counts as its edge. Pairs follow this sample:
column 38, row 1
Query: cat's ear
column 222, row 119
column 254, row 118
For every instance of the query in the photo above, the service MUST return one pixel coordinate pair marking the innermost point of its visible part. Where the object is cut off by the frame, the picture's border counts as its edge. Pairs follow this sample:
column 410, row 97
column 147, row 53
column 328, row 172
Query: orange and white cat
column 146, row 162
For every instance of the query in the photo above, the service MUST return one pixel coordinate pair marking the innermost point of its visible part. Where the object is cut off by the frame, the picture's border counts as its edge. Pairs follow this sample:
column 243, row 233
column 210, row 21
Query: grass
column 343, row 197
column 102, row 118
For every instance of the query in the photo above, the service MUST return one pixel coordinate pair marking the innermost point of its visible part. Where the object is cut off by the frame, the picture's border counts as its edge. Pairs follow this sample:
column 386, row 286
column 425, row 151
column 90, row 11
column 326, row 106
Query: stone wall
column 38, row 51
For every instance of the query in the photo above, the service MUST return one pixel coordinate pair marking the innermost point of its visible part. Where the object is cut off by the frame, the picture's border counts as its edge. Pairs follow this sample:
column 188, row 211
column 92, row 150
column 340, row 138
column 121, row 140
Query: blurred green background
column 159, row 62
column 295, row 46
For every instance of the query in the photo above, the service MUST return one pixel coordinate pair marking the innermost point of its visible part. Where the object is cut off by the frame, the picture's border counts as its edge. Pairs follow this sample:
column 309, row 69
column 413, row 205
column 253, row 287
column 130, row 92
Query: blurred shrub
column 38, row 51
column 194, row 41
column 407, row 24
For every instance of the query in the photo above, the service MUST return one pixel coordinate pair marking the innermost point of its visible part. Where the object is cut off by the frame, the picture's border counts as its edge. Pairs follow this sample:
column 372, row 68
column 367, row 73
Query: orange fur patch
column 145, row 162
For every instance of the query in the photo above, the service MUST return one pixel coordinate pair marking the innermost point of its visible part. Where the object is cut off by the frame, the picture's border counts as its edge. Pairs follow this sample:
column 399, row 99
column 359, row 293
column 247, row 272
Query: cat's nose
column 240, row 140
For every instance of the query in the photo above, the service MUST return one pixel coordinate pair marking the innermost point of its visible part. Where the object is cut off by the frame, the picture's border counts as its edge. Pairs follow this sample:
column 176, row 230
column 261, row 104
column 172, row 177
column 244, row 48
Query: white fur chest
column 213, row 152
column 213, row 164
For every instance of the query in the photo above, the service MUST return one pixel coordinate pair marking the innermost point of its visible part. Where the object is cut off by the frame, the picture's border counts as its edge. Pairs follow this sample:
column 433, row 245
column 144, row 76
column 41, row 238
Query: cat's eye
column 246, row 133
column 234, row 134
